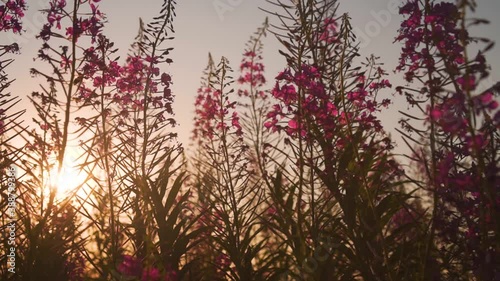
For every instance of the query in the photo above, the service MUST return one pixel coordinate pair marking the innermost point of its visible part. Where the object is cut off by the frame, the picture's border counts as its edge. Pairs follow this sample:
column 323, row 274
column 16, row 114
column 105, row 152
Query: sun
column 69, row 178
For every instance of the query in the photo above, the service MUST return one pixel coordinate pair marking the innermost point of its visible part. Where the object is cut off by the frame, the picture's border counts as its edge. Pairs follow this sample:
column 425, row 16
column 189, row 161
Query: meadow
column 293, row 178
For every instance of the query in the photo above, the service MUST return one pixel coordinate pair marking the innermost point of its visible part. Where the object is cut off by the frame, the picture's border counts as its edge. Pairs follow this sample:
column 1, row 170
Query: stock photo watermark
column 11, row 219
column 32, row 23
column 381, row 20
column 221, row 7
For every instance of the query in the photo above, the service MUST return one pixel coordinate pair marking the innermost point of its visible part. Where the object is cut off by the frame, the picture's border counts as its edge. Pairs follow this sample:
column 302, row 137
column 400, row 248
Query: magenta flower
column 317, row 107
column 130, row 266
column 151, row 274
column 459, row 121
column 223, row 261
column 252, row 71
column 11, row 13
column 215, row 112
column 328, row 31
column 467, row 83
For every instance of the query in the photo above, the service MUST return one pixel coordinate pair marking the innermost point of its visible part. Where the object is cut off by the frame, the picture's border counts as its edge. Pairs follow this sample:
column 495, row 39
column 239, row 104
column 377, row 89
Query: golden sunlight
column 70, row 177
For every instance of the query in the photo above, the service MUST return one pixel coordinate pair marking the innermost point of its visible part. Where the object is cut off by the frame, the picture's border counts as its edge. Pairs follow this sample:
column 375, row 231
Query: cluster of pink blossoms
column 91, row 25
column 11, row 14
column 140, row 75
column 214, row 114
column 98, row 75
column 252, row 73
column 439, row 28
column 466, row 178
column 206, row 108
column 136, row 77
column 315, row 103
column 130, row 81
column 329, row 31
column 318, row 107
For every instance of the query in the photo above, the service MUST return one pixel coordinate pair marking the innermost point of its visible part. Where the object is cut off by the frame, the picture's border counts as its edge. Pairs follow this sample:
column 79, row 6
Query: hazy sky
column 223, row 27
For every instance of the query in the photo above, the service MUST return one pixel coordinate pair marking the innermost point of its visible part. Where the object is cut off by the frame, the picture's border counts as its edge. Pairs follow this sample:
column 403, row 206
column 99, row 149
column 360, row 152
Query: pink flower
column 292, row 124
column 317, row 105
column 215, row 114
column 235, row 122
column 130, row 266
column 271, row 211
column 223, row 261
column 328, row 32
column 467, row 83
column 11, row 14
column 152, row 274
column 436, row 114
column 484, row 101
column 252, row 70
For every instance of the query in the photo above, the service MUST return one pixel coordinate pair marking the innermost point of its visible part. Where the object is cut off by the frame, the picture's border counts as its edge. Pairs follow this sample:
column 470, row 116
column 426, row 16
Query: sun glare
column 70, row 177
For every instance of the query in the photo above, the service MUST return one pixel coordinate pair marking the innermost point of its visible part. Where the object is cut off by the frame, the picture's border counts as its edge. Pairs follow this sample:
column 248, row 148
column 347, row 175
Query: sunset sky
column 223, row 27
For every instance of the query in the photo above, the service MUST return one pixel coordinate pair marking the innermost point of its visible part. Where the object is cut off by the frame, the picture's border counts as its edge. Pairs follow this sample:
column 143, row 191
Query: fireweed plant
column 290, row 179
column 456, row 145
column 226, row 178
column 121, row 114
column 339, row 186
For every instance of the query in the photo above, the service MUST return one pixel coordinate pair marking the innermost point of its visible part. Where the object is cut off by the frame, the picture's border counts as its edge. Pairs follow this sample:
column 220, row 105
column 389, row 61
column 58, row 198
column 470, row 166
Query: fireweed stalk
column 98, row 76
column 254, row 101
column 97, row 94
column 327, row 110
column 149, row 163
column 461, row 171
column 233, row 195
column 47, row 147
